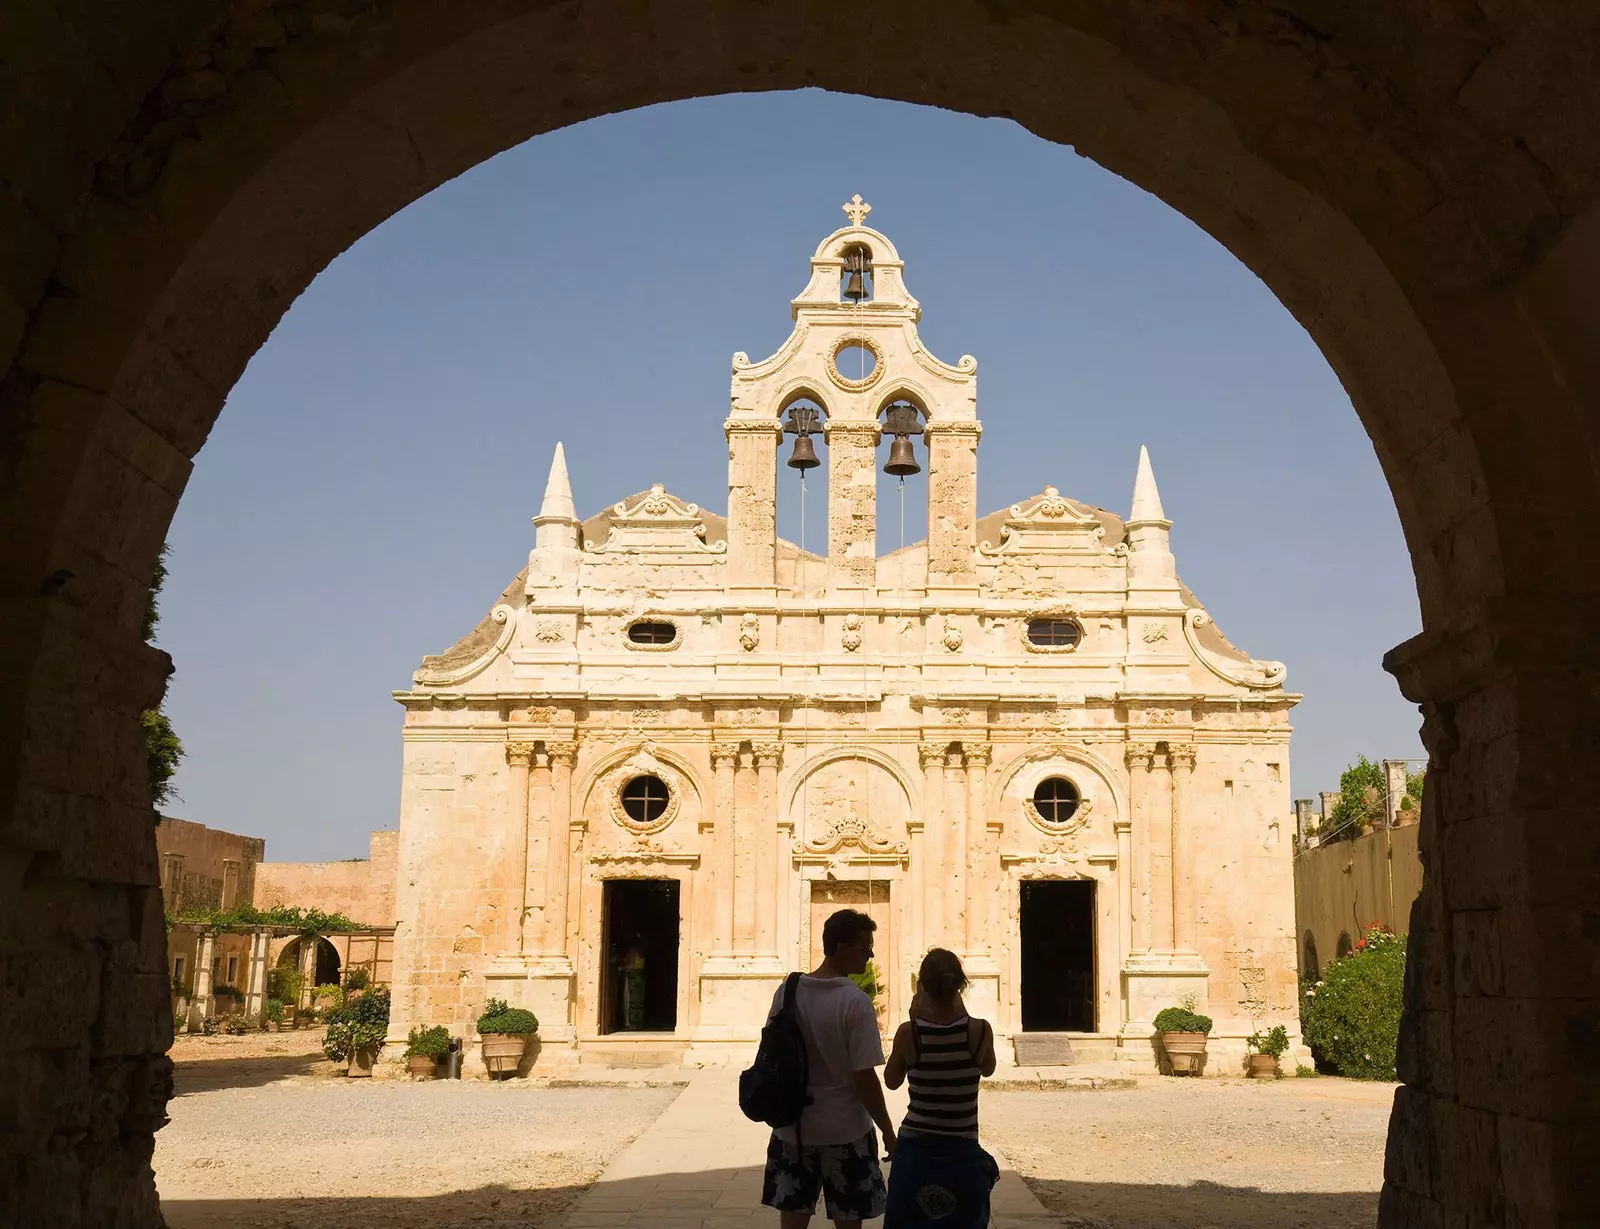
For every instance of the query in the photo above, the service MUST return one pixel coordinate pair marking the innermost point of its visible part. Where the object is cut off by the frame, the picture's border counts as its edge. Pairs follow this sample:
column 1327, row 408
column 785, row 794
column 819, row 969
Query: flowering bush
column 1351, row 1017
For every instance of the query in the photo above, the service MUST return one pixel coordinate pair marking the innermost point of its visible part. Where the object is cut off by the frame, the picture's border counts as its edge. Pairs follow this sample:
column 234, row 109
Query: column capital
column 1180, row 755
column 932, row 754
column 724, row 752
column 519, row 754
column 767, row 755
column 970, row 427
column 977, row 755
column 562, row 753
column 1140, row 755
column 753, row 426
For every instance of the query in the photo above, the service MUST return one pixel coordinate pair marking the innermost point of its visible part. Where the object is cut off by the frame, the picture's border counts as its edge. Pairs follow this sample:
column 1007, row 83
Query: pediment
column 656, row 522
column 1048, row 523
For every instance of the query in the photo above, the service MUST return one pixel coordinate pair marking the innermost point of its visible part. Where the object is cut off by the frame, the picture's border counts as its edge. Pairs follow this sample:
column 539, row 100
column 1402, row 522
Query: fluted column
column 932, row 756
column 1180, row 760
column 1141, row 759
column 955, row 853
column 745, row 878
column 724, row 758
column 519, row 756
column 978, row 938
column 768, row 862
column 561, row 756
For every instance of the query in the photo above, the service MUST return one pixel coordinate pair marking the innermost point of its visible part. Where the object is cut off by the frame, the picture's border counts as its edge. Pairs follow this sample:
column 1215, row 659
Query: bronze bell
column 855, row 288
column 902, row 460
column 804, row 454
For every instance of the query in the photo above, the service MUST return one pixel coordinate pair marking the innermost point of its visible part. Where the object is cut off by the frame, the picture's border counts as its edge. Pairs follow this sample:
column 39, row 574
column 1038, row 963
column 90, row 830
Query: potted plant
column 224, row 999
column 1262, row 1051
column 356, row 1033
column 504, row 1031
column 424, row 1048
column 1183, row 1036
column 275, row 1015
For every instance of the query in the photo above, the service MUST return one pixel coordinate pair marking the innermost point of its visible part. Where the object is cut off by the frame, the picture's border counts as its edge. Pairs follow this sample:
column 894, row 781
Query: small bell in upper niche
column 857, row 265
column 802, row 423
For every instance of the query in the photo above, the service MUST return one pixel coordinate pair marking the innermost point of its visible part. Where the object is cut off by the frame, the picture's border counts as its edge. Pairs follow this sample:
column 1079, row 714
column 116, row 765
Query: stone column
column 952, row 504
column 724, row 758
column 954, row 856
column 1140, row 758
column 200, row 1004
column 852, row 504
column 519, row 755
column 1124, row 831
column 752, row 502
column 745, row 877
column 1185, row 924
column 308, row 969
column 560, row 756
column 769, row 860
column 978, row 938
column 255, row 1000
column 933, row 912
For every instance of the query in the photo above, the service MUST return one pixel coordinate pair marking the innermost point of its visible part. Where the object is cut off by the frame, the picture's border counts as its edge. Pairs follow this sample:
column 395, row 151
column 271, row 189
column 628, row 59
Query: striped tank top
column 943, row 1081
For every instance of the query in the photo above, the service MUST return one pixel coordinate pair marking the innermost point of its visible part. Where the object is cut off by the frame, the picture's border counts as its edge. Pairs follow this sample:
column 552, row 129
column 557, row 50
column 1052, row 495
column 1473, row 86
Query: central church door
column 827, row 898
column 639, row 982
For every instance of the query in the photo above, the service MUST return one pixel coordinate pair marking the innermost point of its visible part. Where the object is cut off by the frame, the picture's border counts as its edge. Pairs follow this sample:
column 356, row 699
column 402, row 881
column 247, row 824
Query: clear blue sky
column 366, row 493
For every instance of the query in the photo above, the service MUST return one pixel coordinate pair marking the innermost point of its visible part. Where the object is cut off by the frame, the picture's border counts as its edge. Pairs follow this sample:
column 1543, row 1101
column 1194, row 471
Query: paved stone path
column 698, row 1166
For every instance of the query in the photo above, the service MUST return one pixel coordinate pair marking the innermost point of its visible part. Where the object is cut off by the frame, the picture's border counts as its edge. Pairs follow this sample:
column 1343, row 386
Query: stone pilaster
column 519, row 756
column 1140, row 759
column 953, row 856
column 200, row 1002
column 1180, row 760
column 752, row 502
column 852, row 504
column 979, row 935
column 952, row 504
column 767, row 756
column 724, row 760
column 933, row 910
column 255, row 1000
column 745, row 875
column 308, row 969
column 560, row 756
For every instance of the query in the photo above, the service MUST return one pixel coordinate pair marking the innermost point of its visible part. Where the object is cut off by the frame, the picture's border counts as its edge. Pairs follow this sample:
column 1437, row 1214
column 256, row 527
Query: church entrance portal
column 1058, row 956
column 639, row 984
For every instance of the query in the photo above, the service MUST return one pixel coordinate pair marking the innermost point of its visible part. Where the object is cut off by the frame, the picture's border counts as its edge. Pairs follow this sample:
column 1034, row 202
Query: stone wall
column 360, row 888
column 205, row 867
column 1341, row 887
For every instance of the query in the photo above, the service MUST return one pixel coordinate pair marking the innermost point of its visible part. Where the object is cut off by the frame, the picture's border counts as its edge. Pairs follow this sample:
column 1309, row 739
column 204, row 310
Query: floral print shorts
column 847, row 1175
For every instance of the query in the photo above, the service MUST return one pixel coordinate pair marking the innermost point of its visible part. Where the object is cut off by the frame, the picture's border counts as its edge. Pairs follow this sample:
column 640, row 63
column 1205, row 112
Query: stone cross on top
column 856, row 209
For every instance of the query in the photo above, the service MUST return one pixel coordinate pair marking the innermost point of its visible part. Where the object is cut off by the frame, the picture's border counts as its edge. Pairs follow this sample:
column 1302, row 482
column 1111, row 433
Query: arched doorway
column 1429, row 215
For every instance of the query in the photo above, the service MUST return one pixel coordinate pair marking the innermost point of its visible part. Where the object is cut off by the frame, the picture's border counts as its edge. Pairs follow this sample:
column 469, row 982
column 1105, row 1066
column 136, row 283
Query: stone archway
column 1417, row 185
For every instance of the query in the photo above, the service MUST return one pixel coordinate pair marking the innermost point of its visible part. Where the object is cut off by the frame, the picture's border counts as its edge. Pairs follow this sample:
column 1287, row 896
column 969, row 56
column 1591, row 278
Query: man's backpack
column 773, row 1089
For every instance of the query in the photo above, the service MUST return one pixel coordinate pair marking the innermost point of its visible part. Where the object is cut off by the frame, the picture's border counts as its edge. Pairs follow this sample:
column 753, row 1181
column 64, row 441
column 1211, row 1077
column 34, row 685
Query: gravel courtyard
column 265, row 1133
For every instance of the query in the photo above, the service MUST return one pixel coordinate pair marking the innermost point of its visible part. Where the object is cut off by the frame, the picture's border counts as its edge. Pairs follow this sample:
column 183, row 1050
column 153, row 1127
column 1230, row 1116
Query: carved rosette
column 850, row 638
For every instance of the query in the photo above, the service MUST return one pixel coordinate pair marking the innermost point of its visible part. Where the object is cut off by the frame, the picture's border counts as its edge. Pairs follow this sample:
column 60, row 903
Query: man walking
column 836, row 1152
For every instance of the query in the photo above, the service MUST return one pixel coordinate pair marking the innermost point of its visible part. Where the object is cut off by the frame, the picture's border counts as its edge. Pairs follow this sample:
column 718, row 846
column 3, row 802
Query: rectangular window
column 177, row 969
column 233, row 970
column 1227, row 788
column 230, row 884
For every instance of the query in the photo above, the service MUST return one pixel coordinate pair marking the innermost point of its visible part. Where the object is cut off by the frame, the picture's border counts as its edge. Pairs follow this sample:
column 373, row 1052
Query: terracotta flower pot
column 361, row 1061
column 1263, row 1065
column 502, row 1052
column 422, row 1067
column 272, row 1026
column 1185, row 1051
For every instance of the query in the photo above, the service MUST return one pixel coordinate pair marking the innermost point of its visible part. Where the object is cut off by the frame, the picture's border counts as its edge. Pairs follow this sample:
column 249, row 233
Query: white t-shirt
column 841, row 1034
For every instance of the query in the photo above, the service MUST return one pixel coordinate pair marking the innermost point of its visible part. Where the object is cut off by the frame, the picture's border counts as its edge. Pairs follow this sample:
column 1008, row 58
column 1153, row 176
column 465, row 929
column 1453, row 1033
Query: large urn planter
column 362, row 1060
column 1183, row 1034
column 425, row 1050
column 422, row 1067
column 1262, row 1066
column 502, row 1052
column 1263, row 1050
column 505, row 1032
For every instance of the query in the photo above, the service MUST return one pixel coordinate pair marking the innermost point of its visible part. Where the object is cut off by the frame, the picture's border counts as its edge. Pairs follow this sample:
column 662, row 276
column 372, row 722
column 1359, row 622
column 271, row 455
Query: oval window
column 645, row 799
column 1054, row 633
column 652, row 633
column 1056, row 798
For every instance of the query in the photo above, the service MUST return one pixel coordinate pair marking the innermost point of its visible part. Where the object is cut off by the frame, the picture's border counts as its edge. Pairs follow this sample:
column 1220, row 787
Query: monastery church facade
column 677, row 743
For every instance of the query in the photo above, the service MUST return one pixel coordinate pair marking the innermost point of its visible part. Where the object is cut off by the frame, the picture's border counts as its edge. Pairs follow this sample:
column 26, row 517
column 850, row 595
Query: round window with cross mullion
column 645, row 798
column 1056, row 800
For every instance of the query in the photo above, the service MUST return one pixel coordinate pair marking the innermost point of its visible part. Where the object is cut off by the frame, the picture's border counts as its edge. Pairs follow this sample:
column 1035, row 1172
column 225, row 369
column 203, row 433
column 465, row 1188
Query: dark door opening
column 1058, row 956
column 639, row 985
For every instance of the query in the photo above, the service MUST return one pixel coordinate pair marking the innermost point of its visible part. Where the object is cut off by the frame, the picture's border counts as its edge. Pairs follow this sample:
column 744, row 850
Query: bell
column 902, row 460
column 804, row 454
column 855, row 288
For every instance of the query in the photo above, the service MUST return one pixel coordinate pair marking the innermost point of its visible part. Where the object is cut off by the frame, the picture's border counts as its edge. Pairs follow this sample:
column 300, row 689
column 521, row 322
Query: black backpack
column 773, row 1089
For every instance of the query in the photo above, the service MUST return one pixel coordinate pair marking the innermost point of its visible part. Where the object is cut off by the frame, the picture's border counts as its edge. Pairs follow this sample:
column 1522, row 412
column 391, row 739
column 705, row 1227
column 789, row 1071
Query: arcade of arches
column 1415, row 181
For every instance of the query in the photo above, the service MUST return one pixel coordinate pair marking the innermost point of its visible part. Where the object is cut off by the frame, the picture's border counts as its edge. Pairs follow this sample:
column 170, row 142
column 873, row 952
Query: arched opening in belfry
column 1433, row 230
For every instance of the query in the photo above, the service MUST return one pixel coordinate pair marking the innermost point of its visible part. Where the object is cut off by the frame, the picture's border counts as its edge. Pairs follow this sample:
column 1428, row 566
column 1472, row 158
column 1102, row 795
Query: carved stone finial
column 856, row 209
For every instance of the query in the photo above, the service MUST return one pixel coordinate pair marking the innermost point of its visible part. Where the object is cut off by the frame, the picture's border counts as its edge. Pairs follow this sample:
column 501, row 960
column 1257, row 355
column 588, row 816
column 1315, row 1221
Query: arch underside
column 1416, row 185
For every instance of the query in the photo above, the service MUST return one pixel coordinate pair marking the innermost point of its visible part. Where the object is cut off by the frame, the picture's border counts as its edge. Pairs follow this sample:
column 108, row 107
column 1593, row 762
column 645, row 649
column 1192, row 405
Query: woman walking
column 941, row 1177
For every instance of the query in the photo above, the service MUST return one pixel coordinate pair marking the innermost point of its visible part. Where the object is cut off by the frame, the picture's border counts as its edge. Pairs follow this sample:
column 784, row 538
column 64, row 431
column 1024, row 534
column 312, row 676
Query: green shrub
column 356, row 979
column 283, row 984
column 870, row 980
column 1274, row 1044
column 1352, row 1015
column 327, row 999
column 361, row 1026
column 497, row 1017
column 428, row 1042
column 1181, row 1020
column 224, row 988
column 275, row 1011
column 1304, row 1072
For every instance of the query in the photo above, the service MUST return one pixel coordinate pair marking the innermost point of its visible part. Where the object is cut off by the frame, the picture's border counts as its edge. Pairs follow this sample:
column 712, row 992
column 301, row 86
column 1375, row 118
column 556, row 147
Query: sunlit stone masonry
column 677, row 742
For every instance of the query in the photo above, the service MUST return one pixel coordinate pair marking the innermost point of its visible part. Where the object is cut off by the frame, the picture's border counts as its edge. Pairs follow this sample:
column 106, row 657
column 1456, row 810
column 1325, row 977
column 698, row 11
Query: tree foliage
column 162, row 751
column 1363, row 799
column 305, row 922
column 362, row 1025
